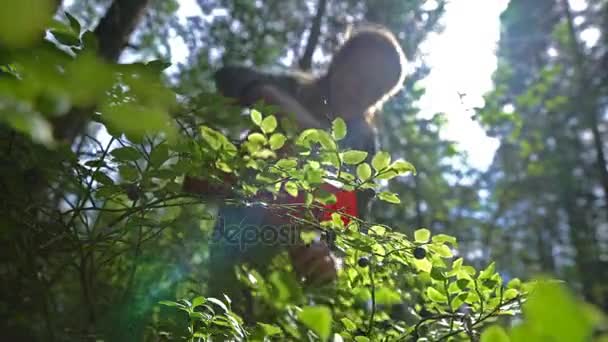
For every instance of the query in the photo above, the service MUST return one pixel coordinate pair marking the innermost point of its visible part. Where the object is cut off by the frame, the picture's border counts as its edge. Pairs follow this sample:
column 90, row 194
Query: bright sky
column 462, row 59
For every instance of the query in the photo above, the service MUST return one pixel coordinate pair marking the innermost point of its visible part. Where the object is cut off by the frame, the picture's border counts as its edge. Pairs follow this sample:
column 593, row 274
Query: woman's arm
column 289, row 106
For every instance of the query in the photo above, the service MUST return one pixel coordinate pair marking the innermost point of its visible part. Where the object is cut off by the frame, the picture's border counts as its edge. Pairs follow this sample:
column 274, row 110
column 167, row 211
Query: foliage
column 128, row 192
column 456, row 299
column 566, row 319
column 548, row 180
column 96, row 234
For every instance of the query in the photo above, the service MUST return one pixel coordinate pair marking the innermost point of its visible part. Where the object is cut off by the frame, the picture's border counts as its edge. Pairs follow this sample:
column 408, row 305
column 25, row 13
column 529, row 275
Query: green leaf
column 159, row 155
column 170, row 303
column 495, row 333
column 330, row 158
column 198, row 301
column 318, row 319
column 381, row 161
column 256, row 117
column 128, row 172
column 218, row 303
column 348, row 324
column 354, row 157
column 387, row 174
column 364, row 171
column 389, row 197
column 32, row 124
column 89, row 40
column 87, row 67
column 443, row 251
column 223, row 166
column 74, row 24
column 158, row 65
column 326, row 141
column 291, row 188
column 514, row 283
column 257, row 138
column 66, row 38
column 313, row 176
column 269, row 330
column 488, row 272
column 287, row 164
column 22, row 22
column 307, row 136
column 510, row 294
column 136, row 121
column 554, row 313
column 308, row 236
column 442, row 238
column 438, row 274
column 338, row 129
column 361, row 339
column 435, row 295
column 277, row 141
column 401, row 166
column 269, row 124
column 458, row 300
column 422, row 235
column 387, row 296
column 325, row 197
column 378, row 230
column 212, row 137
column 423, row 265
column 126, row 153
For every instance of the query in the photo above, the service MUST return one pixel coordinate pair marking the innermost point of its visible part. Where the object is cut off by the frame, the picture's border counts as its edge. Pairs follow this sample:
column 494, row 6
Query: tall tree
column 548, row 177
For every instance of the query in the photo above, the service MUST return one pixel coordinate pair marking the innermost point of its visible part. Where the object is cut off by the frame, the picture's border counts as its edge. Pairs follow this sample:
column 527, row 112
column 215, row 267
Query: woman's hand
column 314, row 263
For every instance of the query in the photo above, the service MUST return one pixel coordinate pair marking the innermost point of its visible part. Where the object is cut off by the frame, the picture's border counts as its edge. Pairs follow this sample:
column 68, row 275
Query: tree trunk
column 116, row 27
column 313, row 37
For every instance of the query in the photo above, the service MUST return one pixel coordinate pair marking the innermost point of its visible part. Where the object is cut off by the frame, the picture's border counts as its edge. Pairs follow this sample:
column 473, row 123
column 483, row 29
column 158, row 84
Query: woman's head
column 365, row 72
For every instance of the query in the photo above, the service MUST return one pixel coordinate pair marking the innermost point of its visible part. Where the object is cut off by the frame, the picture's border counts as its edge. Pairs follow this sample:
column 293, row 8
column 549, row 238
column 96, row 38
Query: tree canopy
column 99, row 241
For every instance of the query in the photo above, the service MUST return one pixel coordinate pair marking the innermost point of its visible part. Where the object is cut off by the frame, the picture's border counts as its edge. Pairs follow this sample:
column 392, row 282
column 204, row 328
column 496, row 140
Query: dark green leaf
column 126, row 153
column 74, row 24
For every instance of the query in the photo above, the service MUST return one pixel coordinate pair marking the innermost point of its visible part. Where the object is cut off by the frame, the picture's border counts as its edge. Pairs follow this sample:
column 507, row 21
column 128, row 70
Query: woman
column 366, row 71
